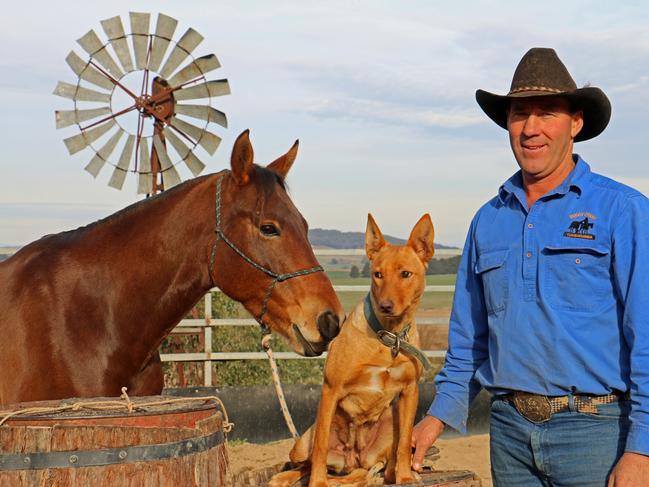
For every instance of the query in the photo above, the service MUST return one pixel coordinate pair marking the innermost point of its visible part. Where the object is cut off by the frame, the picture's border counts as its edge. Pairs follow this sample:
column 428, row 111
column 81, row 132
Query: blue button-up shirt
column 553, row 299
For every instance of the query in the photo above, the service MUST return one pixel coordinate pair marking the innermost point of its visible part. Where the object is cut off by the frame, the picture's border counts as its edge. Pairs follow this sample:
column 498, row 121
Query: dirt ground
column 460, row 453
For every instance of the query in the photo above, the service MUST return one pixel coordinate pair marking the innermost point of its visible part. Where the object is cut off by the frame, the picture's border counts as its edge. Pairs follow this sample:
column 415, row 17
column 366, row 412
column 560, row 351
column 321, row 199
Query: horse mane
column 266, row 179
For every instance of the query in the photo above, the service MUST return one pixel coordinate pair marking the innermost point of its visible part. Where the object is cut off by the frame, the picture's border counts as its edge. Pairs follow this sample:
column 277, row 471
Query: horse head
column 263, row 241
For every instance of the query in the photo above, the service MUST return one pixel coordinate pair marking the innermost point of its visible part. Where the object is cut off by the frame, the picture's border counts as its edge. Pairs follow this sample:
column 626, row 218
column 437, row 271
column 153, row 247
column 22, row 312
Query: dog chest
column 373, row 390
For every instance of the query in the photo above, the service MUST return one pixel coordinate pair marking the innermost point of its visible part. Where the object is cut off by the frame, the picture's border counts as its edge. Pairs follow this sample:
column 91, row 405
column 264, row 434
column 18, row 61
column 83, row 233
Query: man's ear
column 421, row 239
column 374, row 240
column 282, row 165
column 241, row 159
column 577, row 123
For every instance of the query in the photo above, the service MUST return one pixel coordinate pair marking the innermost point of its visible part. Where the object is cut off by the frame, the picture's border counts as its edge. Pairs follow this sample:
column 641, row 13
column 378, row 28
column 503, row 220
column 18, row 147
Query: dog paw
column 408, row 478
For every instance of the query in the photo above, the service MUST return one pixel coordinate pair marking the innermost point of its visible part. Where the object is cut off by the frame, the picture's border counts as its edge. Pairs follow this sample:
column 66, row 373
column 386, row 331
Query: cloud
column 377, row 111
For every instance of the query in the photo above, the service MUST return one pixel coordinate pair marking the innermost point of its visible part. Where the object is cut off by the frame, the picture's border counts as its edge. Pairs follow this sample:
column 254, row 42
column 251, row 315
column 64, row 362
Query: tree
column 366, row 270
column 354, row 271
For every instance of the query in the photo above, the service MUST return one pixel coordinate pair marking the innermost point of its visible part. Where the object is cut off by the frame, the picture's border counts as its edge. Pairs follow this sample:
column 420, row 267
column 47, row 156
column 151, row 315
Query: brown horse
column 82, row 313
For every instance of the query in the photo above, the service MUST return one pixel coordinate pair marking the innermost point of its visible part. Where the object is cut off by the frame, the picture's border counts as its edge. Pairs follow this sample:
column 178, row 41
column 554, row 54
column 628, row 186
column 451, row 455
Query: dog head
column 398, row 271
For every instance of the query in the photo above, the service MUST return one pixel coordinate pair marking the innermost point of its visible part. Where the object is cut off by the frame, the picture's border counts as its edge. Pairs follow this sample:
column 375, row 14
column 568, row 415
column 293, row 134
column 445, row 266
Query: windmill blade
column 193, row 163
column 171, row 177
column 182, row 49
column 102, row 155
column 145, row 178
column 115, row 32
column 65, row 118
column 140, row 38
column 207, row 140
column 86, row 137
column 119, row 174
column 96, row 49
column 217, row 87
column 85, row 71
column 203, row 112
column 77, row 93
column 196, row 68
column 164, row 32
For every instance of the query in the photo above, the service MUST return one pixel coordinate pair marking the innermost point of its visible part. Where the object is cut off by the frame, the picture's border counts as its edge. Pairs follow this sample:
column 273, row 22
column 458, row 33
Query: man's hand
column 632, row 470
column 424, row 434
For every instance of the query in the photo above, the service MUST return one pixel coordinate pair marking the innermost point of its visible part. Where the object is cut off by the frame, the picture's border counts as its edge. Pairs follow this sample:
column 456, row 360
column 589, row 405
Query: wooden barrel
column 163, row 441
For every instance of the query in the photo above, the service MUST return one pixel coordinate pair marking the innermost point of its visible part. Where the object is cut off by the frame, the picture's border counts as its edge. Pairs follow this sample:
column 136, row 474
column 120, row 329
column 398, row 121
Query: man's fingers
column 418, row 457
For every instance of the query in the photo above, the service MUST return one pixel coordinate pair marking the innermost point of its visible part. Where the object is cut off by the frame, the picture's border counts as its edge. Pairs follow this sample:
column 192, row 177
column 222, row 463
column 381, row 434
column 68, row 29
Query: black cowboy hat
column 541, row 73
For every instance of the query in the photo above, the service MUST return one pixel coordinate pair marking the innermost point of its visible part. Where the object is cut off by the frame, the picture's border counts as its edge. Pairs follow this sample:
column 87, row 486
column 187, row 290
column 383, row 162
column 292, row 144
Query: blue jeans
column 571, row 449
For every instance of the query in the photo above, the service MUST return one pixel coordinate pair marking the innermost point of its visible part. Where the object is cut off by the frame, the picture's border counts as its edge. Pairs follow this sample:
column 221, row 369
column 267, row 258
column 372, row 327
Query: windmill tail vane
column 133, row 96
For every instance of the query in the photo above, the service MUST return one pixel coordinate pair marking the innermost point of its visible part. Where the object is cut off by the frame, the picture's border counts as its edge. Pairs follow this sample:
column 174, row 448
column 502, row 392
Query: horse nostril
column 328, row 324
column 386, row 307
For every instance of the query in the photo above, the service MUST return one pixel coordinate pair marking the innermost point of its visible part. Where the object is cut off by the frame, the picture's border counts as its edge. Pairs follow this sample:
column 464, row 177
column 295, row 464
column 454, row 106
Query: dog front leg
column 407, row 410
column 326, row 411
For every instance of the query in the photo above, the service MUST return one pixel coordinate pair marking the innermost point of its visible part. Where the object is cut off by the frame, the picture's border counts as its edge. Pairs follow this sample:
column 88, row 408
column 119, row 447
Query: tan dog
column 370, row 391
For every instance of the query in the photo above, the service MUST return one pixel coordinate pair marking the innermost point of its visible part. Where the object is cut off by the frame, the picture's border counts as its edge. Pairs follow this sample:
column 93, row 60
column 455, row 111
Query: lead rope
column 265, row 344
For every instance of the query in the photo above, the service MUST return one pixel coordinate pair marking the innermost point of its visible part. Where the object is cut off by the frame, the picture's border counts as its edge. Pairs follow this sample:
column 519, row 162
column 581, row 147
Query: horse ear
column 421, row 238
column 282, row 164
column 242, row 156
column 374, row 240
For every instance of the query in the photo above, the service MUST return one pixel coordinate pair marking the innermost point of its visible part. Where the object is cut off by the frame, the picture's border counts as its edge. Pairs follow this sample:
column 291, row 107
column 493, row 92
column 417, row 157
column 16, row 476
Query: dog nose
column 328, row 324
column 386, row 307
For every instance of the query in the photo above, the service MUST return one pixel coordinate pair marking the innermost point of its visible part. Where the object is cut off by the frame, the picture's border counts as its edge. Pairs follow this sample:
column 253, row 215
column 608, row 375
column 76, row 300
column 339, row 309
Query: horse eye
column 269, row 230
column 378, row 275
column 406, row 274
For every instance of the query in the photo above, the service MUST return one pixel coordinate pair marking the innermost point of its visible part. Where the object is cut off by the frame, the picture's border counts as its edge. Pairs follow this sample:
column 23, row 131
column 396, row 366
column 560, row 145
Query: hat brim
column 590, row 100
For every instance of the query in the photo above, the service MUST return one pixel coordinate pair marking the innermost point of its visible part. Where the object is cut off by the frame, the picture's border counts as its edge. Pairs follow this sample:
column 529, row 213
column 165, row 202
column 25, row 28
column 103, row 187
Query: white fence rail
column 204, row 326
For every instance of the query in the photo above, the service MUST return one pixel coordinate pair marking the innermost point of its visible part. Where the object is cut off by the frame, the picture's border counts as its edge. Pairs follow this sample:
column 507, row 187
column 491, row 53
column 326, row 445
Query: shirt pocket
column 492, row 269
column 577, row 276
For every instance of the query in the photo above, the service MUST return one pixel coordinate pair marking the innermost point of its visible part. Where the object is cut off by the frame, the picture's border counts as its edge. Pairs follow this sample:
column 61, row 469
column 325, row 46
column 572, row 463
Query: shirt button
column 529, row 254
column 530, row 225
column 577, row 261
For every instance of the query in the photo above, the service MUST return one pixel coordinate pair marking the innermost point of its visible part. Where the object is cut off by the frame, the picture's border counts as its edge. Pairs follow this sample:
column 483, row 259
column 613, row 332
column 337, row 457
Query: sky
column 379, row 93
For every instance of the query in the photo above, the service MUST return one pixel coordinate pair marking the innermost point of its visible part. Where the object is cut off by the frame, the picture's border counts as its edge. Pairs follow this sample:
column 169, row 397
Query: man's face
column 541, row 133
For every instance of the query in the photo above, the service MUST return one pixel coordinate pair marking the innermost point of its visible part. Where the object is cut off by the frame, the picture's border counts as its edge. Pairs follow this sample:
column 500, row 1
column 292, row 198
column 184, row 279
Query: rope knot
column 129, row 403
column 265, row 342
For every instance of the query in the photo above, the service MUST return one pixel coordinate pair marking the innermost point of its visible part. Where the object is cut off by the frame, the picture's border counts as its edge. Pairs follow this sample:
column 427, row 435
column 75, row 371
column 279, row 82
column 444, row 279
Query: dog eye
column 378, row 275
column 406, row 274
column 269, row 230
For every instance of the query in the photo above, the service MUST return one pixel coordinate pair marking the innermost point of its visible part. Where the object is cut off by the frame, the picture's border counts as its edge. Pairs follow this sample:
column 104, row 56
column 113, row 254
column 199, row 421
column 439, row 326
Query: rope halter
column 276, row 277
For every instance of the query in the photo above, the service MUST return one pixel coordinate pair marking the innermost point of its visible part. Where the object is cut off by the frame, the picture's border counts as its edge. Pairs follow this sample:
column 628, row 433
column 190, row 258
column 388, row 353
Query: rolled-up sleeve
column 631, row 271
column 467, row 344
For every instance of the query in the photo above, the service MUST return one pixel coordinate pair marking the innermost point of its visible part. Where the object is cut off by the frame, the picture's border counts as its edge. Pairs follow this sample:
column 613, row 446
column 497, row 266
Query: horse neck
column 164, row 251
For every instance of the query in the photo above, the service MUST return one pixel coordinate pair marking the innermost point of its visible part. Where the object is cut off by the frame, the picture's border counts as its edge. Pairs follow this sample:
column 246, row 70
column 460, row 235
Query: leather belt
column 539, row 409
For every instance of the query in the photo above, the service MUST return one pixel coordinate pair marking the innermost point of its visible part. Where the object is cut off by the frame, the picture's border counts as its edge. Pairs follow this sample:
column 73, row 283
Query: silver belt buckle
column 534, row 407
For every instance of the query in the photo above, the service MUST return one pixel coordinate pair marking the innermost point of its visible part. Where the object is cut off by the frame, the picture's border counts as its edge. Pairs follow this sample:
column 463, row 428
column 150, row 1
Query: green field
column 340, row 278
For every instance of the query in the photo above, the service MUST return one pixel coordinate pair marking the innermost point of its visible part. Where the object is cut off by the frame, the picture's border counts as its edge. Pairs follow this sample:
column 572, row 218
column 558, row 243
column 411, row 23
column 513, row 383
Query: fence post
column 207, row 331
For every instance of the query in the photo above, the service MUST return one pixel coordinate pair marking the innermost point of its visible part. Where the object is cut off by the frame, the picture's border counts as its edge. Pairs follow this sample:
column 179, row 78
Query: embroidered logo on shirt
column 580, row 229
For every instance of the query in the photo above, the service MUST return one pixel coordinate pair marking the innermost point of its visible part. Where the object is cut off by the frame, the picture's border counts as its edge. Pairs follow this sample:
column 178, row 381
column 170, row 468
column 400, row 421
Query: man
column 551, row 306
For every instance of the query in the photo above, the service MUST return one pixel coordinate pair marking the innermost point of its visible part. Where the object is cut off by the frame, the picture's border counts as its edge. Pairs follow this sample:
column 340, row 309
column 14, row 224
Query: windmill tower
column 132, row 98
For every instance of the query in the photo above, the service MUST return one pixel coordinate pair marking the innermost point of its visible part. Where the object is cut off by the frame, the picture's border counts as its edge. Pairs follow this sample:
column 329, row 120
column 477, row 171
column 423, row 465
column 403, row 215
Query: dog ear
column 241, row 159
column 421, row 238
column 282, row 165
column 374, row 240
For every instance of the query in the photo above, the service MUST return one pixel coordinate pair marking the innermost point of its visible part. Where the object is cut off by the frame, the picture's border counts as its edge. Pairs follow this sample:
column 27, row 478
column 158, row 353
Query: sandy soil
column 461, row 453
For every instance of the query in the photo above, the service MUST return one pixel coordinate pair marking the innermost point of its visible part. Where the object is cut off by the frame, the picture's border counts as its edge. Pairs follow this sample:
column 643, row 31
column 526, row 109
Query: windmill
column 132, row 97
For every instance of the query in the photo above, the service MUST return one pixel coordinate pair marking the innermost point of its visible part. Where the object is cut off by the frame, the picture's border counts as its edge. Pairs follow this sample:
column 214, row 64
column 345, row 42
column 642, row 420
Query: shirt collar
column 576, row 181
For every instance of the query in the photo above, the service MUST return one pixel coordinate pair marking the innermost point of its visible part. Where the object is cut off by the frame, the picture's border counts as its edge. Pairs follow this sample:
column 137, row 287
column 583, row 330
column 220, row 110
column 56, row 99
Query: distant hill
column 335, row 239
